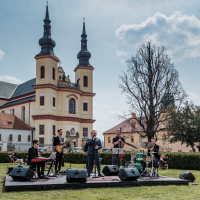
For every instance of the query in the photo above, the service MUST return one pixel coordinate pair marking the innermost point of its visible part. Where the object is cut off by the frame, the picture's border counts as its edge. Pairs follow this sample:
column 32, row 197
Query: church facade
column 51, row 101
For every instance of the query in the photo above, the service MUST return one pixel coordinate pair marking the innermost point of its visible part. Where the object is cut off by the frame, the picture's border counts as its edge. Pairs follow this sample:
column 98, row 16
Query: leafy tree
column 150, row 75
column 184, row 125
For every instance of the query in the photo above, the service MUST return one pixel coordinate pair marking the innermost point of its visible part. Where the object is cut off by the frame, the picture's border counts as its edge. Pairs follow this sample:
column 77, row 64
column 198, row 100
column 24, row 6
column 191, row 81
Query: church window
column 85, row 106
column 85, row 81
column 41, row 129
column 85, row 132
column 10, row 138
column 29, row 138
column 41, row 100
column 54, row 102
column 41, row 142
column 19, row 138
column 54, row 130
column 42, row 72
column 72, row 106
column 23, row 114
column 53, row 73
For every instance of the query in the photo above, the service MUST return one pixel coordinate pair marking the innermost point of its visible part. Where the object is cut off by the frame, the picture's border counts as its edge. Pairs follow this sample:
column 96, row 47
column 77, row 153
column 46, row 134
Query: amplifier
column 129, row 174
column 76, row 175
column 111, row 170
column 187, row 175
column 22, row 174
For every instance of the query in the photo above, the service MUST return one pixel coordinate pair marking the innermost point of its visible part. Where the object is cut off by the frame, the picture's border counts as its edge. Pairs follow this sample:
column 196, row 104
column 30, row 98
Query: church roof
column 9, row 121
column 24, row 88
column 31, row 98
column 6, row 89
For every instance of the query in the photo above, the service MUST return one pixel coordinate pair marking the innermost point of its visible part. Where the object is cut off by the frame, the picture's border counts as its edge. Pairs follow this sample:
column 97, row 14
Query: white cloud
column 106, row 117
column 1, row 54
column 179, row 33
column 10, row 79
column 122, row 53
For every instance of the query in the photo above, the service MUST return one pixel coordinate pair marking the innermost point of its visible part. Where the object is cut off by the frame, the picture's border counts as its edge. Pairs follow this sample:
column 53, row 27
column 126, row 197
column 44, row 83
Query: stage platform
column 60, row 182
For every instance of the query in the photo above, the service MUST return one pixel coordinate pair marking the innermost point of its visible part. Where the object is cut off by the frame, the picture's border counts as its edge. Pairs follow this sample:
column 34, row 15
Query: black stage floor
column 60, row 182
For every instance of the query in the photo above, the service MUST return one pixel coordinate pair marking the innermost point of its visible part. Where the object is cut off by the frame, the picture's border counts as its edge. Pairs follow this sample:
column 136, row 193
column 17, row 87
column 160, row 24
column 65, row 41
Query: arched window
column 23, row 114
column 10, row 138
column 19, row 138
column 42, row 72
column 72, row 106
column 0, row 137
column 85, row 81
column 53, row 73
column 29, row 138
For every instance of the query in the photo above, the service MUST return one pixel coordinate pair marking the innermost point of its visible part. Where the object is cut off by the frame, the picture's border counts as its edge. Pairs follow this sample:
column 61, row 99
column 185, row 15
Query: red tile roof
column 127, row 127
column 12, row 122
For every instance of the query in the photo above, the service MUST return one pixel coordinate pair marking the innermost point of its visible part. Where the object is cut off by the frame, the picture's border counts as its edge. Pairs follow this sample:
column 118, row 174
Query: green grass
column 155, row 192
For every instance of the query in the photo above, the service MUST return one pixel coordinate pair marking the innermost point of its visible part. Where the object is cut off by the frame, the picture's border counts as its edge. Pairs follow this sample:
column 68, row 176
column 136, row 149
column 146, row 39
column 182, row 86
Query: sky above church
column 115, row 29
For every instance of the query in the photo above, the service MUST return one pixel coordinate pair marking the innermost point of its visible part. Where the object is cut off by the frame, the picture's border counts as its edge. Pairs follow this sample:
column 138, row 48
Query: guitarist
column 59, row 140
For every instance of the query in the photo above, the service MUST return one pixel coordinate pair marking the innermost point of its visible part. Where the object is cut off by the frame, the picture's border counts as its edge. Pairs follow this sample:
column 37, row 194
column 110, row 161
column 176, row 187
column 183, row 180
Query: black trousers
column 116, row 160
column 58, row 160
column 91, row 159
column 87, row 164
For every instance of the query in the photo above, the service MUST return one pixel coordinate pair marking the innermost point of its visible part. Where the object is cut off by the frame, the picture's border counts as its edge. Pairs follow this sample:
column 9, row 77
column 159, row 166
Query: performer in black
column 33, row 153
column 94, row 144
column 116, row 140
column 156, row 155
column 58, row 140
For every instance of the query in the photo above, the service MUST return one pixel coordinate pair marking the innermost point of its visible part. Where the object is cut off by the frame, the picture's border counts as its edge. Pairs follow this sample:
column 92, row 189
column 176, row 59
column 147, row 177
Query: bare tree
column 149, row 78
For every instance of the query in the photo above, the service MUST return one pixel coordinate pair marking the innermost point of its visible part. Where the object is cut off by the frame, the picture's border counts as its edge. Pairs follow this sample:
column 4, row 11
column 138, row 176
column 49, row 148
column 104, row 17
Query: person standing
column 94, row 144
column 58, row 140
column 116, row 141
column 156, row 150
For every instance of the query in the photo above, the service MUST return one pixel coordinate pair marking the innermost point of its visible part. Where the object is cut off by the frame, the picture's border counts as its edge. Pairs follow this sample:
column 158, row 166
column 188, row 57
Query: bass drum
column 139, row 156
column 139, row 167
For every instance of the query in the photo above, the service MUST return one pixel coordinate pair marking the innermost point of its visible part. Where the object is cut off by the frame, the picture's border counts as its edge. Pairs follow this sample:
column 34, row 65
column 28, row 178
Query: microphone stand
column 95, row 160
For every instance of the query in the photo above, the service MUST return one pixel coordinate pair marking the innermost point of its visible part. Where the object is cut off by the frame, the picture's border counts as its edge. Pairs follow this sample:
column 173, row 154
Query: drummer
column 155, row 149
column 116, row 140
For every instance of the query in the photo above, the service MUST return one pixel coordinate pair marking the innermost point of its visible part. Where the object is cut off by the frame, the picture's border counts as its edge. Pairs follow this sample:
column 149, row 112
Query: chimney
column 133, row 118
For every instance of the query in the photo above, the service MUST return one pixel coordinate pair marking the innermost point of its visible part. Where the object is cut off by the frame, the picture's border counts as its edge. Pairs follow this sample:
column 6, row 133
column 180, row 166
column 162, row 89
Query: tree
column 151, row 75
column 184, row 125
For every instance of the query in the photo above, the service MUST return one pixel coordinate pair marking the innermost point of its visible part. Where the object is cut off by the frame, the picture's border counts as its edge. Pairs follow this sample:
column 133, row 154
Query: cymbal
column 130, row 145
column 154, row 152
column 146, row 145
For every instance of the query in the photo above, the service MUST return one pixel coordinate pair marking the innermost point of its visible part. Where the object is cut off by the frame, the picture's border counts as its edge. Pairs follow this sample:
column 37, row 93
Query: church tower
column 46, row 60
column 84, row 70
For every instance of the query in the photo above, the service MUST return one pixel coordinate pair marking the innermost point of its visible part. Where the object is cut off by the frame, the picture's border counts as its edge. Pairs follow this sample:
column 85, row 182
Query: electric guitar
column 59, row 148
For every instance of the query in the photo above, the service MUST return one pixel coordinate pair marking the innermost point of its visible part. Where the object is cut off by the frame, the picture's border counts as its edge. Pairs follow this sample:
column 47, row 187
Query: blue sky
column 115, row 29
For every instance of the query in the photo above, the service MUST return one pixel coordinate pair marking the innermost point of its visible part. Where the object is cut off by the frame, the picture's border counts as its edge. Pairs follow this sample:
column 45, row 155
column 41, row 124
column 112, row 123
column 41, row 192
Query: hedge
column 187, row 161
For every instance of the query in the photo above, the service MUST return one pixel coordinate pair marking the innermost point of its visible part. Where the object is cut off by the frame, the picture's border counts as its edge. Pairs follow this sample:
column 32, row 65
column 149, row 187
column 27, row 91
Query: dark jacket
column 14, row 158
column 86, row 147
column 56, row 141
column 91, row 144
column 155, row 149
column 32, row 153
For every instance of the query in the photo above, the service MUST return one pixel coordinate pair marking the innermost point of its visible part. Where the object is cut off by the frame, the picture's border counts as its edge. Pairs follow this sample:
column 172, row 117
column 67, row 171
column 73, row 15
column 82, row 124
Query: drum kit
column 137, row 159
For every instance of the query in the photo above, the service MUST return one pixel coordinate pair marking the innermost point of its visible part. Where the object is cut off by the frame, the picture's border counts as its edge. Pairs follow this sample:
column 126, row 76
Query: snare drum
column 148, row 159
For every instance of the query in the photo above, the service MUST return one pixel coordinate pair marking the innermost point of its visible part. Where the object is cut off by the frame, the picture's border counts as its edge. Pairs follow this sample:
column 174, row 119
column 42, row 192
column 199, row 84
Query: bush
column 187, row 161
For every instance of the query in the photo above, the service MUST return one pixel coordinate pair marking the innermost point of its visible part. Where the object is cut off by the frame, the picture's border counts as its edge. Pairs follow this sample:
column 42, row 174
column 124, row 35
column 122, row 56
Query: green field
column 156, row 192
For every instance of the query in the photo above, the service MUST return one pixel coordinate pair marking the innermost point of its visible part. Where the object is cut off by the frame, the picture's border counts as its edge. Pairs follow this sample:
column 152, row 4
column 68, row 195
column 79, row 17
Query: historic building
column 51, row 101
column 132, row 131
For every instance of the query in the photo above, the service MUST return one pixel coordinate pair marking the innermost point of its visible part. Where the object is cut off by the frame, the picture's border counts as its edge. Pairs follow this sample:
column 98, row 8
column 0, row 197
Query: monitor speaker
column 111, row 170
column 76, row 175
column 187, row 175
column 129, row 174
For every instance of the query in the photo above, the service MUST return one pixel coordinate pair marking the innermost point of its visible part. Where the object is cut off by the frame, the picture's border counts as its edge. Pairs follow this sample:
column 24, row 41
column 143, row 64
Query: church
column 51, row 101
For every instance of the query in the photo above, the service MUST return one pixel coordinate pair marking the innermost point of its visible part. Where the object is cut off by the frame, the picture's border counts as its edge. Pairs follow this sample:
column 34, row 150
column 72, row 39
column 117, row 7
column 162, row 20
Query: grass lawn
column 155, row 192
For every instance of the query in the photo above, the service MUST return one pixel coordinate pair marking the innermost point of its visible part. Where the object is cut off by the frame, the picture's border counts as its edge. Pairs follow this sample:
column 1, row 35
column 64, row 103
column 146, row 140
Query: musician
column 154, row 149
column 32, row 154
column 58, row 140
column 94, row 144
column 116, row 141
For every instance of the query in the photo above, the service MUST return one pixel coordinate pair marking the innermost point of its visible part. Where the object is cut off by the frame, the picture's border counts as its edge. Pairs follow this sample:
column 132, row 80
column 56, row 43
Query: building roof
column 9, row 121
column 127, row 127
column 18, row 101
column 6, row 89
column 24, row 88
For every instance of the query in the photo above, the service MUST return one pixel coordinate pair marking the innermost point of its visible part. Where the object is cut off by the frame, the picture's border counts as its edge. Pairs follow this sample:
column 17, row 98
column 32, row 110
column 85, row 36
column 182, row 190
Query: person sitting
column 32, row 154
column 162, row 162
column 16, row 160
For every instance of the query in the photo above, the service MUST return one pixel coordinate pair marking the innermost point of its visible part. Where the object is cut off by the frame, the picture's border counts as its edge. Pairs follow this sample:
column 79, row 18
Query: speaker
column 187, row 175
column 76, row 175
column 129, row 174
column 9, row 170
column 22, row 174
column 111, row 170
